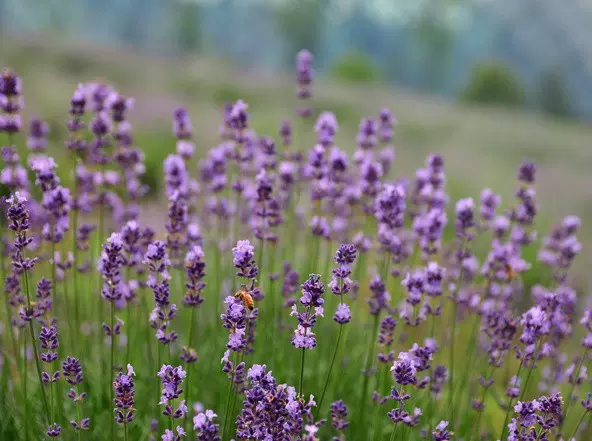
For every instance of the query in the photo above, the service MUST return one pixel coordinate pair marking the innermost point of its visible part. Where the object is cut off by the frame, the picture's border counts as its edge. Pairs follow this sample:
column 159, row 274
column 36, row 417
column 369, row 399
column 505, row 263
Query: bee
column 510, row 273
column 244, row 295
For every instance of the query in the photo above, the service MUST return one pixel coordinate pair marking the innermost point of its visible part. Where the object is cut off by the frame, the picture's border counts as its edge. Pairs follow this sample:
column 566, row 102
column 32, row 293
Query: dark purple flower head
column 404, row 369
column 110, row 266
column 326, row 127
column 124, row 389
column 195, row 266
column 312, row 300
column 304, row 77
column 182, row 128
column 38, row 131
column 441, row 432
column 48, row 337
column 535, row 323
column 389, row 206
column 367, row 138
column 345, row 254
column 527, row 172
column 118, row 105
column 465, row 218
column 44, row 168
column 304, row 67
column 54, row 430
column 238, row 118
column 78, row 102
column 235, row 320
column 169, row 435
column 489, row 203
column 158, row 261
column 72, row 371
column 344, row 257
column 176, row 176
column 19, row 222
column 171, row 378
column 272, row 410
column 387, row 124
column 10, row 84
column 339, row 415
column 286, row 133
column 434, row 276
column 203, row 424
column 312, row 292
column 342, row 314
column 244, row 259
column 379, row 298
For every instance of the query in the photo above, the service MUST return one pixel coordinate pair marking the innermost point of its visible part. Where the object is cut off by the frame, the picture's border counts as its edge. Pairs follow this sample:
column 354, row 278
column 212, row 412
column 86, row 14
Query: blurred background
column 486, row 83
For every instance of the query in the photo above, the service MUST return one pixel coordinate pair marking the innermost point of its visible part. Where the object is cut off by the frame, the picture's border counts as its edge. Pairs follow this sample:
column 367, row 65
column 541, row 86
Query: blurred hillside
column 429, row 45
column 482, row 146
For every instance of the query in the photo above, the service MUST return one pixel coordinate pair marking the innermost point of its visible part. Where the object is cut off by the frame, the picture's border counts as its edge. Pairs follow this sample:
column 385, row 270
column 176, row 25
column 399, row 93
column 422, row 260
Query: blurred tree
column 354, row 67
column 493, row 82
column 186, row 22
column 553, row 94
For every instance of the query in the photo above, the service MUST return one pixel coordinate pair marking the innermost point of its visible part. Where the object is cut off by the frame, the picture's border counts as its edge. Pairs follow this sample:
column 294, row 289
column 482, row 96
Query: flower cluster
column 312, row 300
column 341, row 283
column 171, row 378
column 157, row 259
column 72, row 372
column 271, row 409
column 124, row 389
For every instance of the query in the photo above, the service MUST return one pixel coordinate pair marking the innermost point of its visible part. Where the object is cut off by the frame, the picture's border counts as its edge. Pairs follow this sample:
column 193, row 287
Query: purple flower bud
column 203, row 424
column 342, row 314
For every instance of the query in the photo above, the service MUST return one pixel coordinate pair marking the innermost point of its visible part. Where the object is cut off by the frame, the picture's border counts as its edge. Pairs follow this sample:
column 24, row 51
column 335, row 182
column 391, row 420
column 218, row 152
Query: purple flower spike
column 312, row 300
column 195, row 266
column 124, row 400
column 110, row 266
column 38, row 131
column 243, row 259
column 343, row 314
column 304, row 77
column 441, row 432
column 339, row 415
column 72, row 372
column 206, row 429
column 171, row 378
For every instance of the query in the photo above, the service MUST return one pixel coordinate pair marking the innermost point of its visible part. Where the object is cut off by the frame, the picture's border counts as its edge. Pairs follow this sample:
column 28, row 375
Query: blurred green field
column 482, row 146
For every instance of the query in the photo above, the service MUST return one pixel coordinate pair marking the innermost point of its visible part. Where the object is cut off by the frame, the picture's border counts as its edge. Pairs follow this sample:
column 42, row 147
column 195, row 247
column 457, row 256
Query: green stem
column 75, row 255
column 189, row 346
column 112, row 365
column 51, row 402
column 301, row 383
column 483, row 395
column 128, row 317
column 509, row 409
column 229, row 399
column 330, row 369
column 35, row 351
column 369, row 362
column 7, row 304
column 573, row 435
column 573, row 386
column 25, row 380
column 394, row 431
column 79, row 431
column 451, row 363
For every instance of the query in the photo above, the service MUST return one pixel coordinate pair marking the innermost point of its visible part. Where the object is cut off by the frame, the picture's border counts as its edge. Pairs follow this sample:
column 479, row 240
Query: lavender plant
column 471, row 329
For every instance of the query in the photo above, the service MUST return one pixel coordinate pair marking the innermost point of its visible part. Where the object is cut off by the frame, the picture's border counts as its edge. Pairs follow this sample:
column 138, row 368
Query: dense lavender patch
column 447, row 319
